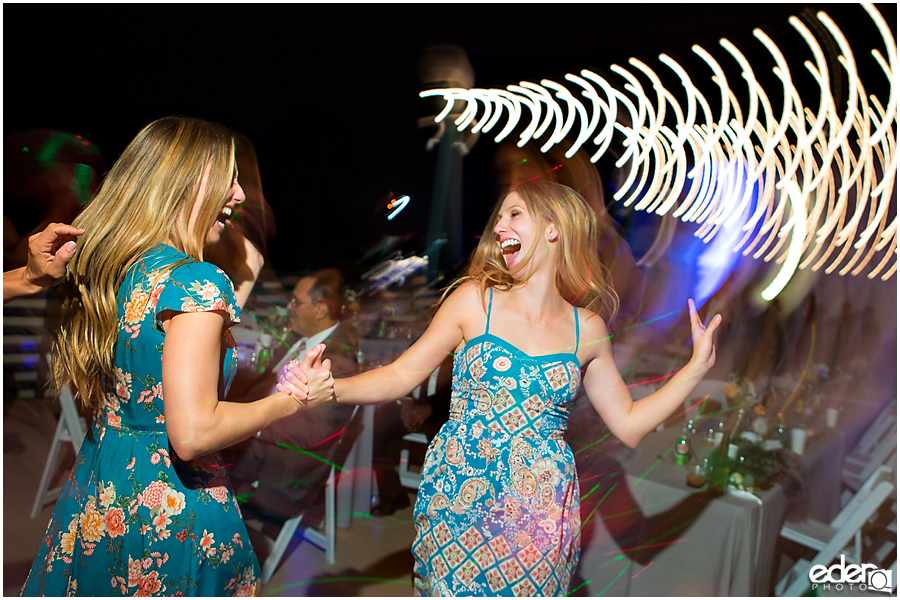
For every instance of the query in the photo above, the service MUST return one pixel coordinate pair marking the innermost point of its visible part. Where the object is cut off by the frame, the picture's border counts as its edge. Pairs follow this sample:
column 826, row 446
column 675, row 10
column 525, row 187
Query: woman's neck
column 538, row 298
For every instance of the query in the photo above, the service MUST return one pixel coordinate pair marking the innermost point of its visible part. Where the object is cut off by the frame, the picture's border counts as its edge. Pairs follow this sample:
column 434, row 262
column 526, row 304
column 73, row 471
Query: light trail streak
column 622, row 572
column 624, row 550
column 642, row 570
column 721, row 159
column 302, row 451
column 608, row 433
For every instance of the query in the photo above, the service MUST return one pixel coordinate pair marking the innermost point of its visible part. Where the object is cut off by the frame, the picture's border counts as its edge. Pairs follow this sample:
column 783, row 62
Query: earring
column 549, row 237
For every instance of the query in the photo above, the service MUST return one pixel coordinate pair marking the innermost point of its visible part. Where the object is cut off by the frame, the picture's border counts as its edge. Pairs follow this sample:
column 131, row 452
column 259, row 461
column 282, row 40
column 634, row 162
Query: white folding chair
column 857, row 469
column 322, row 539
column 815, row 534
column 71, row 429
column 411, row 479
column 885, row 420
column 832, row 539
column 325, row 541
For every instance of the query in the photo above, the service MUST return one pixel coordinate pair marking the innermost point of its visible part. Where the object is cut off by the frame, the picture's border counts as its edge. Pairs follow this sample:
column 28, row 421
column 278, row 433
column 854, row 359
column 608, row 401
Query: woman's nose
column 239, row 195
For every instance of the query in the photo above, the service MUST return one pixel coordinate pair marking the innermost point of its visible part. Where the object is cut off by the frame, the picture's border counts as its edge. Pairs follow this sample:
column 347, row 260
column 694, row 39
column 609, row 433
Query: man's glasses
column 294, row 302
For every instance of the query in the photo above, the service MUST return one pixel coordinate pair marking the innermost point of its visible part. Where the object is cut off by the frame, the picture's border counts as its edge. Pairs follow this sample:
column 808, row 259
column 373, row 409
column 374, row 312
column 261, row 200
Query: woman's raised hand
column 704, row 349
column 310, row 380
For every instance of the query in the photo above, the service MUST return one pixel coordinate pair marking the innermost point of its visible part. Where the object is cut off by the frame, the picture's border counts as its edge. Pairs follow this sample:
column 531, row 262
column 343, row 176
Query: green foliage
column 770, row 467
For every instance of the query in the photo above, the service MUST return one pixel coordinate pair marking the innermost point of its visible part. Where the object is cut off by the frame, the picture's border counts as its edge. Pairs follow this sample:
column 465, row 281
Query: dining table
column 645, row 532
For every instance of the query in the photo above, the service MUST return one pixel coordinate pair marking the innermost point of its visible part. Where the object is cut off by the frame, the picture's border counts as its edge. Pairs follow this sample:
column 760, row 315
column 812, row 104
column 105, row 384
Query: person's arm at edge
column 49, row 252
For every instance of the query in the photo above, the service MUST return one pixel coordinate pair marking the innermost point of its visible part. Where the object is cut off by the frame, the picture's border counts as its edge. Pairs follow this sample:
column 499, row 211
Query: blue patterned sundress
column 133, row 519
column 497, row 513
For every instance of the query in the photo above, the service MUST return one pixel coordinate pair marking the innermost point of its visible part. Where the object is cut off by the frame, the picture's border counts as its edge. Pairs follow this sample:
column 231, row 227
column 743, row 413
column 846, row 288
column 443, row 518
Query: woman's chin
column 214, row 235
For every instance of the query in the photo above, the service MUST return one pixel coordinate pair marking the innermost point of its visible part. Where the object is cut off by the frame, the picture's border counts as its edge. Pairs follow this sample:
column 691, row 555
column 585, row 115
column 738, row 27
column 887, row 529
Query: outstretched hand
column 310, row 380
column 704, row 348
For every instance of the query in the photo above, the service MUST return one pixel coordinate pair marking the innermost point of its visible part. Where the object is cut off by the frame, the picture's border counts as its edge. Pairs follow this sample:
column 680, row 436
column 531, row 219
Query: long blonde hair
column 581, row 278
column 145, row 199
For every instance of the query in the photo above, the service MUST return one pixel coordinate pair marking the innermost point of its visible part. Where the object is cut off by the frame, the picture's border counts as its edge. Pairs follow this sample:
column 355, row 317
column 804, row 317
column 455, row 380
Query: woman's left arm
column 631, row 420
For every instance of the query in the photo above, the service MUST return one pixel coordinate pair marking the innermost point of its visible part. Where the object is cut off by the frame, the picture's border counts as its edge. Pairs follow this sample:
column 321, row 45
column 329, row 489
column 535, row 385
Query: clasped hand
column 308, row 380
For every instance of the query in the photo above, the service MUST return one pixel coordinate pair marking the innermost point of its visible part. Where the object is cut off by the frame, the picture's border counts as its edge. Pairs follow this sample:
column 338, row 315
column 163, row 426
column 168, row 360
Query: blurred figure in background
column 288, row 480
column 258, row 223
column 48, row 177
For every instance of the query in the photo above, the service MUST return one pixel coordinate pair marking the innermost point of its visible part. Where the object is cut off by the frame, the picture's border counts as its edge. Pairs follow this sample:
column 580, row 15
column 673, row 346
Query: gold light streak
column 574, row 108
column 719, row 168
column 587, row 127
column 891, row 48
column 798, row 232
column 840, row 215
column 610, row 108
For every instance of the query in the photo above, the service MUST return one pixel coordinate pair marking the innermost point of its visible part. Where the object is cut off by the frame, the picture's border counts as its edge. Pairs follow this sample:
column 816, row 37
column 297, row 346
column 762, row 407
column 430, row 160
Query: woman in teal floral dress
column 497, row 511
column 143, row 336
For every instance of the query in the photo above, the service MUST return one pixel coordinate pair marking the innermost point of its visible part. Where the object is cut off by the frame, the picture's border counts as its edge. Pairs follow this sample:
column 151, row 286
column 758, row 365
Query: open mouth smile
column 224, row 217
column 510, row 248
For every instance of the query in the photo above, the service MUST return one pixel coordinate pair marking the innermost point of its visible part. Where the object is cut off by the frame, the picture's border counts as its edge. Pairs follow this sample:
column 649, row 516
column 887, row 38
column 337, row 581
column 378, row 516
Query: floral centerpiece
column 741, row 391
column 760, row 469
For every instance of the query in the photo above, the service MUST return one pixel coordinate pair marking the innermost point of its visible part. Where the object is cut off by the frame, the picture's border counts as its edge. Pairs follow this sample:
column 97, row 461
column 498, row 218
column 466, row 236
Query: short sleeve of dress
column 195, row 287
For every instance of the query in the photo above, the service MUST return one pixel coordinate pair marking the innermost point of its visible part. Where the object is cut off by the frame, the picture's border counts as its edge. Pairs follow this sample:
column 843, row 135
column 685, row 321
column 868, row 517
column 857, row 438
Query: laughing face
column 516, row 233
column 233, row 198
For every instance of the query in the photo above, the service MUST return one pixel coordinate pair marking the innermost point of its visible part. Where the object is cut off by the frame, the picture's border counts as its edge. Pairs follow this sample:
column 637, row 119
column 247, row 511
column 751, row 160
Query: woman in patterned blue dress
column 497, row 511
column 143, row 336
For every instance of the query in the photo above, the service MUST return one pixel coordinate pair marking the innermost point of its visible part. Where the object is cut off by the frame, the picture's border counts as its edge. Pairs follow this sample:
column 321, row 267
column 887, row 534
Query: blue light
column 398, row 205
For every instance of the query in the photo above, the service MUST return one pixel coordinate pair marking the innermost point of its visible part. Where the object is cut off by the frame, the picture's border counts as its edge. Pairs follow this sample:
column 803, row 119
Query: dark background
column 328, row 94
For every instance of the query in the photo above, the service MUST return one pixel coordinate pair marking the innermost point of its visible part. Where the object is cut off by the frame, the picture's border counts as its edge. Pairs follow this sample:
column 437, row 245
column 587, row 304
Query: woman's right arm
column 400, row 378
column 198, row 423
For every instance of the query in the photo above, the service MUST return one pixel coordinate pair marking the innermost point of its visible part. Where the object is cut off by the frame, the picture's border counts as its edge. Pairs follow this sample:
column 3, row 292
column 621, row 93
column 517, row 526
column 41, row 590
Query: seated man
column 282, row 457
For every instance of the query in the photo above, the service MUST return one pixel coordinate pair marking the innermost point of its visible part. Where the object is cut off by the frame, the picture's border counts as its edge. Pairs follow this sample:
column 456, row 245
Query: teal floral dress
column 133, row 519
column 497, row 513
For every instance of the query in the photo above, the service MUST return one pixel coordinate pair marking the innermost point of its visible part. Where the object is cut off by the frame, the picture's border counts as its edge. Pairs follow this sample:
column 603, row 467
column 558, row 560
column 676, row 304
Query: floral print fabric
column 497, row 513
column 133, row 519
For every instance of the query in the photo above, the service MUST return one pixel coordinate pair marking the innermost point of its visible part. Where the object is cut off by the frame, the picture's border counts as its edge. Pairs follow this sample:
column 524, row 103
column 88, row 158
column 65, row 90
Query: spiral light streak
column 809, row 187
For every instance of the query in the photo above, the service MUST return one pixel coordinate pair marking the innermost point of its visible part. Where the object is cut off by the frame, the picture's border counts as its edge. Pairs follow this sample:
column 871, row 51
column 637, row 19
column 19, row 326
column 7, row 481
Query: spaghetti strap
column 487, row 326
column 577, row 330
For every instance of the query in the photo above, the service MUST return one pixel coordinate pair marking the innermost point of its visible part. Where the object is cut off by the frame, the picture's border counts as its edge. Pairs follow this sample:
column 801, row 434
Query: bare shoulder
column 466, row 297
column 595, row 337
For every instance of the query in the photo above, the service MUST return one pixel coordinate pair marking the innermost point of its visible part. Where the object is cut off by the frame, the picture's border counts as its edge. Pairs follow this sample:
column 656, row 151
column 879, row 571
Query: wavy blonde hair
column 146, row 199
column 581, row 278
